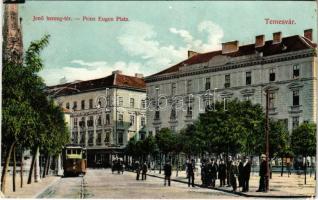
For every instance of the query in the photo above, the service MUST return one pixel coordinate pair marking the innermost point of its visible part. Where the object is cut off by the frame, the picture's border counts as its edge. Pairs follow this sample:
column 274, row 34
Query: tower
column 12, row 35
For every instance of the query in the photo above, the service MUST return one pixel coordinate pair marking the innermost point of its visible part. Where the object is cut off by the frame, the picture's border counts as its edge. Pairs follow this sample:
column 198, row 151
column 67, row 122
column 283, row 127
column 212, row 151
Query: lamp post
column 267, row 142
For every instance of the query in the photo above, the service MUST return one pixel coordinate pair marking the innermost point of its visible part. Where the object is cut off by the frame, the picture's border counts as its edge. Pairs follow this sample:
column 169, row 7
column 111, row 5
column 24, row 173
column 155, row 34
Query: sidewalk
column 288, row 187
column 29, row 190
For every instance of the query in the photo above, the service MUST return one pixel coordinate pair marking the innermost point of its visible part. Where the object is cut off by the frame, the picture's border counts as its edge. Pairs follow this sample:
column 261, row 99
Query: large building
column 284, row 66
column 99, row 122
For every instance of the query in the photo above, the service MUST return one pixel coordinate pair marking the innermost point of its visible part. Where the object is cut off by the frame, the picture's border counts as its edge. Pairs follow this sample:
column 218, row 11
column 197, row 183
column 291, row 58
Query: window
column 157, row 114
column 227, row 83
column 132, row 102
column 207, row 84
column 90, row 122
column 296, row 98
column 142, row 121
column 142, row 135
column 108, row 101
column 74, row 138
column 82, row 141
column 157, row 130
column 271, row 100
column 248, row 78
column 173, row 114
column 99, row 120
column 189, row 111
column 173, row 128
column 99, row 137
column 173, row 89
column 120, row 138
column 295, row 122
column 83, row 104
column 143, row 104
column 157, row 90
column 150, row 133
column 107, row 120
column 75, row 122
column 107, row 138
column 121, row 119
column 189, row 86
column 74, row 105
column 90, row 103
column 272, row 75
column 296, row 71
column 132, row 120
column 82, row 122
column 67, row 105
column 120, row 101
column 90, row 138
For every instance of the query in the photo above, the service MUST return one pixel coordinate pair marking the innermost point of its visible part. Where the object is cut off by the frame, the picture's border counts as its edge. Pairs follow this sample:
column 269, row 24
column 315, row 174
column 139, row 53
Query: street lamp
column 267, row 141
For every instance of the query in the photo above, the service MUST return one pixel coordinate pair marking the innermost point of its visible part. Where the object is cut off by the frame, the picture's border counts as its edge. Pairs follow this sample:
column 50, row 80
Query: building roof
column 288, row 44
column 114, row 80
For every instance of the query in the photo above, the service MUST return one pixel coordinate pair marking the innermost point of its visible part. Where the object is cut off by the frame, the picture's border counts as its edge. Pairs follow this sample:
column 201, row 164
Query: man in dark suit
column 228, row 168
column 222, row 173
column 167, row 170
column 214, row 172
column 246, row 171
column 262, row 174
column 137, row 168
column 144, row 171
column 240, row 174
column 190, row 172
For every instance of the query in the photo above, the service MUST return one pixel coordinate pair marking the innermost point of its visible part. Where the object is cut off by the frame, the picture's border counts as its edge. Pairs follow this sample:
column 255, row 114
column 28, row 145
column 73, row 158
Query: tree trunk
column 5, row 168
column 305, row 169
column 49, row 165
column 282, row 171
column 45, row 165
column 160, row 157
column 21, row 170
column 177, row 165
column 14, row 170
column 32, row 165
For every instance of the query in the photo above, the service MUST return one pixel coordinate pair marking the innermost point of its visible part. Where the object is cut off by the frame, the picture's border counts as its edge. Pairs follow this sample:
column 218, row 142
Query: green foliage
column 303, row 139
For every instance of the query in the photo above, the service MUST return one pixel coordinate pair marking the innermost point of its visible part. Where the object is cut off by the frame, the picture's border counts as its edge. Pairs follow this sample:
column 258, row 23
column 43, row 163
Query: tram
column 74, row 160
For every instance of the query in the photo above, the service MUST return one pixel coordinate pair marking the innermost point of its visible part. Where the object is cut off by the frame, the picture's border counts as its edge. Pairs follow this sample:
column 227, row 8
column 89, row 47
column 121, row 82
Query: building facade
column 105, row 114
column 284, row 66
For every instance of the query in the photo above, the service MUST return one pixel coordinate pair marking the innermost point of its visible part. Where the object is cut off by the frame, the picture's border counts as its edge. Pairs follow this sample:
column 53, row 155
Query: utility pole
column 267, row 143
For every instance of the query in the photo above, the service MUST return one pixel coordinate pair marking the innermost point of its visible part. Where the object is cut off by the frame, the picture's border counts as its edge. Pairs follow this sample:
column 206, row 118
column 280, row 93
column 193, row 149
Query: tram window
column 78, row 151
column 68, row 151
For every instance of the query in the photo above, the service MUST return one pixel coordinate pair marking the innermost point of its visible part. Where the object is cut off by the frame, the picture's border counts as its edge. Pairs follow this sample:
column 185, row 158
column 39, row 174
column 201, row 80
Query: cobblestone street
column 101, row 183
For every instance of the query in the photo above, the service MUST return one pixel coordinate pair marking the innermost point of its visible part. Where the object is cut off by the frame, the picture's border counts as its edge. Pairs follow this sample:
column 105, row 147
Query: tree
column 303, row 141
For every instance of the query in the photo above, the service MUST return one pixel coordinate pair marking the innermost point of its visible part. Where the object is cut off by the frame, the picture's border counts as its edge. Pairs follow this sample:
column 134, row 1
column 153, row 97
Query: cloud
column 88, row 70
column 141, row 42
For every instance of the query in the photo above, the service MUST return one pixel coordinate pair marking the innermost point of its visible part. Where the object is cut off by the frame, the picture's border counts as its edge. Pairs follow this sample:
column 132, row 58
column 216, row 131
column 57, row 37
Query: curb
column 46, row 188
column 237, row 193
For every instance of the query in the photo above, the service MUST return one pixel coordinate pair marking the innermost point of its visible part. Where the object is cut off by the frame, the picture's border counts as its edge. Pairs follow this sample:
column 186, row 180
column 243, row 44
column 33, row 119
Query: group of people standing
column 231, row 172
column 141, row 168
column 118, row 165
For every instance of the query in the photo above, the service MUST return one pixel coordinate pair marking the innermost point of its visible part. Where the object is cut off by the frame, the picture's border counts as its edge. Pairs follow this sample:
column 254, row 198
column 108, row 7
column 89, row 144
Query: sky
column 157, row 34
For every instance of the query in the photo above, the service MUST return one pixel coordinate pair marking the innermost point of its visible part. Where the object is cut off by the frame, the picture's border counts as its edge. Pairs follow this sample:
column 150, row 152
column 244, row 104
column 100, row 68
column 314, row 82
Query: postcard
column 159, row 99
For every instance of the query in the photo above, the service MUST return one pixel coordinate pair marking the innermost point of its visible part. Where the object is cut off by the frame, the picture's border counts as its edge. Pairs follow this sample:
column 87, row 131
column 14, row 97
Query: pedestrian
column 137, row 168
column 222, row 173
column 209, row 173
column 190, row 172
column 167, row 170
column 233, row 174
column 203, row 172
column 114, row 165
column 214, row 172
column 262, row 174
column 119, row 166
column 240, row 174
column 228, row 167
column 144, row 171
column 246, row 174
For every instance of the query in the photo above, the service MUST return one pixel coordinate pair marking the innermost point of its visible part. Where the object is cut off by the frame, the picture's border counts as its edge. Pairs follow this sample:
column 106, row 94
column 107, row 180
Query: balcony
column 272, row 111
column 295, row 109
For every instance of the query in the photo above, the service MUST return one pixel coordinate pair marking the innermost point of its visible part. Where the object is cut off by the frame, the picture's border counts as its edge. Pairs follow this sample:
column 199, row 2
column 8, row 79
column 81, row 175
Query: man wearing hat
column 167, row 170
column 246, row 171
column 262, row 174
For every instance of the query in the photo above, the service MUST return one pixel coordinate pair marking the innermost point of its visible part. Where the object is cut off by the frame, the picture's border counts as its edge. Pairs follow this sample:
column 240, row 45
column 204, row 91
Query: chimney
column 117, row 72
column 308, row 34
column 259, row 41
column 138, row 75
column 230, row 47
column 277, row 37
column 192, row 53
